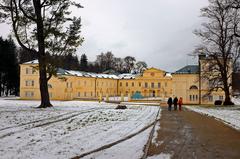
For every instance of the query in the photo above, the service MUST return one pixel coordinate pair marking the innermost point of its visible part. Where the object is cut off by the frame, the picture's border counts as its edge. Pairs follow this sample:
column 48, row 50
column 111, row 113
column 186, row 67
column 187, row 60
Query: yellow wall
column 153, row 82
column 57, row 87
column 182, row 84
column 106, row 86
column 31, row 89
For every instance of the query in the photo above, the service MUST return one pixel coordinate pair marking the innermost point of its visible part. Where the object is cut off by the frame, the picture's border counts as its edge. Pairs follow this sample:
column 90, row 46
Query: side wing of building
column 186, row 84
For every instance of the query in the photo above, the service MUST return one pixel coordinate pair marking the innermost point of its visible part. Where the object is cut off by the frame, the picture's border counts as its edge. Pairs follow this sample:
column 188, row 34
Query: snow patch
column 71, row 128
column 236, row 101
column 228, row 115
column 155, row 135
column 131, row 148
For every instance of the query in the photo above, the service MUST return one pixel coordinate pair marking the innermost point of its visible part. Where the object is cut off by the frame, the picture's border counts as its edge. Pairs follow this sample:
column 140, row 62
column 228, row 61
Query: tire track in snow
column 35, row 121
column 146, row 147
column 120, row 140
column 58, row 118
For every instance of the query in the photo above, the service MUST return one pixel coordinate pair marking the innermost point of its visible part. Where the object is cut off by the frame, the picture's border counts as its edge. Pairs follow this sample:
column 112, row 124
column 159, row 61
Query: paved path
column 189, row 135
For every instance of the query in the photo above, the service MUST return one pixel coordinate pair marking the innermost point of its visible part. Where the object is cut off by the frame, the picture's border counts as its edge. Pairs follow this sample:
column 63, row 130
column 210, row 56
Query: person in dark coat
column 175, row 103
column 169, row 102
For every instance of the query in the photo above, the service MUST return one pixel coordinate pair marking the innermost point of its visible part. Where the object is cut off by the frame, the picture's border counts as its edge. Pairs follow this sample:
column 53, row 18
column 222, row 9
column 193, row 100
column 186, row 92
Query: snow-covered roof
column 31, row 62
column 86, row 74
column 168, row 75
column 128, row 76
column 94, row 75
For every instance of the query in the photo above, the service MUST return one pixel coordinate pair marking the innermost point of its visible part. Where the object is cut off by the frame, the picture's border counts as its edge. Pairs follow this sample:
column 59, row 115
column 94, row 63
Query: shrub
column 121, row 106
column 218, row 102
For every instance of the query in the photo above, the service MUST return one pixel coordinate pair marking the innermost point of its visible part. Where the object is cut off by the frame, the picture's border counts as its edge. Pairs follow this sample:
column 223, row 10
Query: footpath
column 189, row 135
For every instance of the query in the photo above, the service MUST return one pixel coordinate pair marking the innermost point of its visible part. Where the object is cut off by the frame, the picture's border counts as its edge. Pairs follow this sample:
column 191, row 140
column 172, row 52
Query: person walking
column 180, row 102
column 169, row 102
column 175, row 102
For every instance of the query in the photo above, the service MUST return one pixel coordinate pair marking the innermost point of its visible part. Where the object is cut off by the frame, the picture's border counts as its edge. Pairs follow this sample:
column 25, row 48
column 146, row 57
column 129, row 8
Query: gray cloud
column 156, row 31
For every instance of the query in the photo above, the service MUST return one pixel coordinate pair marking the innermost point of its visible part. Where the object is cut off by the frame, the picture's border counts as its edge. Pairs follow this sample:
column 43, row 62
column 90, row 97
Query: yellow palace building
column 152, row 84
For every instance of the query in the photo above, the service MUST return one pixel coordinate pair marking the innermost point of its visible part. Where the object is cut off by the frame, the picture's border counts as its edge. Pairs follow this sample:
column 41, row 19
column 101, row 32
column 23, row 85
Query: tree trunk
column 227, row 100
column 0, row 84
column 45, row 101
column 7, row 91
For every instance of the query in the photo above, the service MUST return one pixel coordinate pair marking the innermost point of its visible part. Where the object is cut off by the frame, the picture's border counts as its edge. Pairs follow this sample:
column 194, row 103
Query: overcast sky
column 156, row 31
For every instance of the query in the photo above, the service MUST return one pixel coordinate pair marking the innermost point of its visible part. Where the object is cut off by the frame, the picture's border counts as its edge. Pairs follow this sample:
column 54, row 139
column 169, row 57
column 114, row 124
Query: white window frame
column 29, row 83
column 29, row 71
column 29, row 94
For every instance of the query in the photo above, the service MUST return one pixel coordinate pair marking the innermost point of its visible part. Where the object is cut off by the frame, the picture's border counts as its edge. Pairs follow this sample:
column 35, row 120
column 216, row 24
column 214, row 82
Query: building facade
column 154, row 83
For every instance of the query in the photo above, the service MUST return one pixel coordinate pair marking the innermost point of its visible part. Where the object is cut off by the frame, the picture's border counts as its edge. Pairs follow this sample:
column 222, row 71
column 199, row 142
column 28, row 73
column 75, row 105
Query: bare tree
column 45, row 28
column 220, row 44
column 109, row 60
column 119, row 64
column 140, row 66
column 105, row 61
column 129, row 63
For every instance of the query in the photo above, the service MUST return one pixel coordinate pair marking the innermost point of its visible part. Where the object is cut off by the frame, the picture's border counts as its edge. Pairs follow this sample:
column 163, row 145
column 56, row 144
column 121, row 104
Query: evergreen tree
column 25, row 56
column 83, row 63
column 9, row 70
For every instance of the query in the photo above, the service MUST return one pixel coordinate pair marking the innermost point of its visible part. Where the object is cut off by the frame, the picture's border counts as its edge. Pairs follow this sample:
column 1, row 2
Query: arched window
column 193, row 87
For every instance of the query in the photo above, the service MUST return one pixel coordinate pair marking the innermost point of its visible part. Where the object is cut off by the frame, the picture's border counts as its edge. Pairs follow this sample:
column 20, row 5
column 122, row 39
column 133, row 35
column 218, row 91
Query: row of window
column 31, row 83
column 31, row 94
column 85, row 94
column 209, row 98
column 69, row 84
column 106, row 84
column 79, row 94
column 193, row 97
column 91, row 94
column 145, row 93
column 146, row 84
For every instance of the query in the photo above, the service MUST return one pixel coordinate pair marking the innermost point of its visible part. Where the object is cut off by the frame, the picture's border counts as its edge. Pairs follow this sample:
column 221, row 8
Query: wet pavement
column 189, row 135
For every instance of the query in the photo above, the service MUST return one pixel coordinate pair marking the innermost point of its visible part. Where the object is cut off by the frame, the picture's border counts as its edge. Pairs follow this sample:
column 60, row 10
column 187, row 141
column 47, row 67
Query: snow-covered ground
column 236, row 101
column 72, row 128
column 228, row 115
